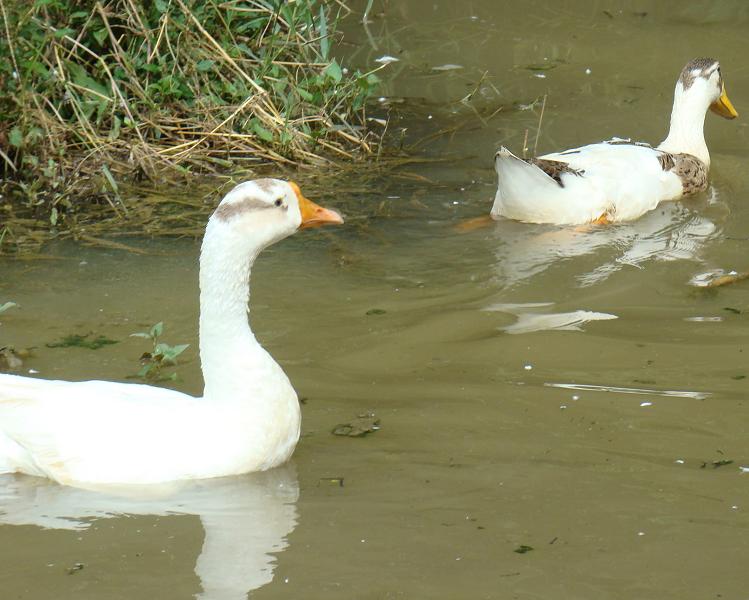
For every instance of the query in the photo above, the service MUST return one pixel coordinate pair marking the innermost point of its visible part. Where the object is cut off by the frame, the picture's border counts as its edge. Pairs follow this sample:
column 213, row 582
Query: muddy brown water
column 516, row 412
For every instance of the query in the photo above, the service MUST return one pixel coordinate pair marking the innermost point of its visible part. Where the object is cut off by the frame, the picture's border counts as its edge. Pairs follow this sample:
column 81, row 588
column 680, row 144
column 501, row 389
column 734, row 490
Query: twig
column 538, row 131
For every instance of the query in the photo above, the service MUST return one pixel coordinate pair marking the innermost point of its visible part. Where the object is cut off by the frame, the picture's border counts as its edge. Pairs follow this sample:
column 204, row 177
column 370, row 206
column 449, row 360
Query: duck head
column 699, row 87
column 701, row 79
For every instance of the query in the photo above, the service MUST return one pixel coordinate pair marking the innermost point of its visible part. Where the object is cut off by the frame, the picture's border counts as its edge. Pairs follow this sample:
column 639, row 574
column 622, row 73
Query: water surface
column 560, row 389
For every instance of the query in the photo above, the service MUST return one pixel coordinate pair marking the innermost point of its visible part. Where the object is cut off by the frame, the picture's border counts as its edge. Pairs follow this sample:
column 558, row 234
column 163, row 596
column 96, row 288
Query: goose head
column 701, row 83
column 260, row 212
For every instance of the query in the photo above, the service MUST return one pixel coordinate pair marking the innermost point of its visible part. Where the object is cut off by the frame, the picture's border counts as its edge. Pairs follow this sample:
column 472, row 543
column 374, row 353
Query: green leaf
column 169, row 353
column 53, row 216
column 305, row 94
column 101, row 35
column 110, row 179
column 205, row 65
column 114, row 133
column 157, row 329
column 373, row 80
column 61, row 33
column 15, row 137
column 35, row 67
column 141, row 334
column 161, row 6
column 175, row 351
column 333, row 71
column 262, row 132
column 180, row 348
column 84, row 80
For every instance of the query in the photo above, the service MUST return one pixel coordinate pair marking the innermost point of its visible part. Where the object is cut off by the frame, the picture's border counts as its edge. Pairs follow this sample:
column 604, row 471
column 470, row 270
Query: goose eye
column 278, row 202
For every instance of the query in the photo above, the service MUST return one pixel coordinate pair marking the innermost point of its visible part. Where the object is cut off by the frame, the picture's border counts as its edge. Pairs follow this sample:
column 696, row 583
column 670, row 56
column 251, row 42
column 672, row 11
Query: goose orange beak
column 314, row 215
column 723, row 106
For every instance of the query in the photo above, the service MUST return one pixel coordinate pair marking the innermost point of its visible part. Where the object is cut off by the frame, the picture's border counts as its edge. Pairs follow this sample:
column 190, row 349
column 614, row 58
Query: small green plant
column 160, row 356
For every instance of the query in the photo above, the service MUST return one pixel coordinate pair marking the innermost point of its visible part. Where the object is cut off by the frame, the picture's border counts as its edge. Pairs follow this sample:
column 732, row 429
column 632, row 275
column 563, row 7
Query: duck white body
column 101, row 432
column 617, row 180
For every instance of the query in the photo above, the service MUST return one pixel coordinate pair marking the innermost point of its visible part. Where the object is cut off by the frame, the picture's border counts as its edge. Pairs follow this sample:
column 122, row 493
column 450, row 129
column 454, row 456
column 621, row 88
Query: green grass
column 94, row 94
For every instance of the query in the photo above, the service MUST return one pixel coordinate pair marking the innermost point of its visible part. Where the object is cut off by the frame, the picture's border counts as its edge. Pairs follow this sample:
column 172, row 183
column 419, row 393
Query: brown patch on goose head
column 266, row 184
column 230, row 210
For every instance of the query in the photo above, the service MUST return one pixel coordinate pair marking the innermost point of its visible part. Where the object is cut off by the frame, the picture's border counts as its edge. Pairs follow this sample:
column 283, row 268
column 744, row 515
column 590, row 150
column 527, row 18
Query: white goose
column 618, row 180
column 102, row 432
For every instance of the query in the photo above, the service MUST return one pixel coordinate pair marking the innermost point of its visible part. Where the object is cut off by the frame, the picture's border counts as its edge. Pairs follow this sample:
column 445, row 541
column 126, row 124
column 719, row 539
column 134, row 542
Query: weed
column 82, row 341
column 96, row 93
column 161, row 355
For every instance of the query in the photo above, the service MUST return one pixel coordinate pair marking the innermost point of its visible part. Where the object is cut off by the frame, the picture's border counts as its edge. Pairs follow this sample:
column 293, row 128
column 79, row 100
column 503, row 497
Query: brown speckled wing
column 690, row 169
column 692, row 172
column 554, row 168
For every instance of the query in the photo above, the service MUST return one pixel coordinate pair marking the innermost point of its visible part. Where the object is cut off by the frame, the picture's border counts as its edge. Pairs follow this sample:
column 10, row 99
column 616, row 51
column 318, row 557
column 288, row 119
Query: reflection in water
column 245, row 519
column 670, row 232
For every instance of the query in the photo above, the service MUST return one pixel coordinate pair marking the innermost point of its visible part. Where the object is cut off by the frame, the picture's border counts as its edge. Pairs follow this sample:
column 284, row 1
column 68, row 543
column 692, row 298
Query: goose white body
column 248, row 419
column 108, row 432
column 617, row 180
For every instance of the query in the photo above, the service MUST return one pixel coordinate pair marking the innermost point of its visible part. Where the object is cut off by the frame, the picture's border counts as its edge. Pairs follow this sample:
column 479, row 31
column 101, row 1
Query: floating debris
column 541, row 67
column 718, row 278
column 11, row 359
column 717, row 463
column 358, row 427
column 628, row 390
column 447, row 67
column 375, row 311
column 335, row 481
column 6, row 306
column 531, row 318
column 522, row 549
column 81, row 341
column 386, row 60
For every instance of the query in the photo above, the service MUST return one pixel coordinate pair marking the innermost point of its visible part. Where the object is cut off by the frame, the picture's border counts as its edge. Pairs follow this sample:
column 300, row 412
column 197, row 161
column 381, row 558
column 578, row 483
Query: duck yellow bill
column 723, row 107
column 314, row 215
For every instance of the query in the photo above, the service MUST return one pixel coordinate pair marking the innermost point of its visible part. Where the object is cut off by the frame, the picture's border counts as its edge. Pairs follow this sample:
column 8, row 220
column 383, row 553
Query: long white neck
column 686, row 134
column 228, row 349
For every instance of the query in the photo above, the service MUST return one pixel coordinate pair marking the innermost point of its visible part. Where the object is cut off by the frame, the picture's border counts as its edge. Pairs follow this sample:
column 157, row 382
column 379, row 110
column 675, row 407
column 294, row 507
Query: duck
column 91, row 433
column 619, row 179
